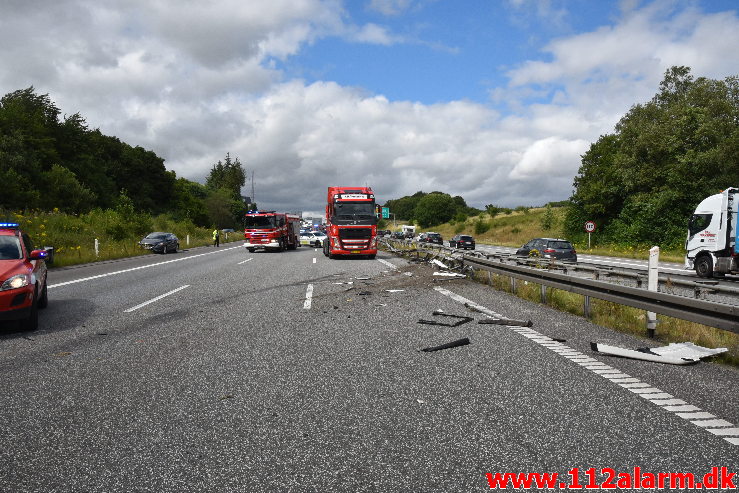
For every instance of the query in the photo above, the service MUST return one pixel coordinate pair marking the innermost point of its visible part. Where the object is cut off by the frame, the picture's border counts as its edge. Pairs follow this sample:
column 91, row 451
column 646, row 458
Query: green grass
column 73, row 236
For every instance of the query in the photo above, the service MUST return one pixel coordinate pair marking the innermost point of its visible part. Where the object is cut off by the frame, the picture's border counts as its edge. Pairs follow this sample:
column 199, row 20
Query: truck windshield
column 354, row 210
column 699, row 222
column 259, row 222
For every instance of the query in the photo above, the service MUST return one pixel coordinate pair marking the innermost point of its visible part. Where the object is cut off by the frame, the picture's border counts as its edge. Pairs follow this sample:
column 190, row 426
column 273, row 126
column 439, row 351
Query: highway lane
column 234, row 384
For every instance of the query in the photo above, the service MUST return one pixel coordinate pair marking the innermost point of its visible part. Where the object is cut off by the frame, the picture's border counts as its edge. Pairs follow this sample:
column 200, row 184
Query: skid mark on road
column 719, row 427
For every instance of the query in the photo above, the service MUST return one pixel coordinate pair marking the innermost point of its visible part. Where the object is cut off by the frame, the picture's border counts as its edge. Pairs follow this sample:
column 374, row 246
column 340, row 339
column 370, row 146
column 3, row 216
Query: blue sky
column 493, row 100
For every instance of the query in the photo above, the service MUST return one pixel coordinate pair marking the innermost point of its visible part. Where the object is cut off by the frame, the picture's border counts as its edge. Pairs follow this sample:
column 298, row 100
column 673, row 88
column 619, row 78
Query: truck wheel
column 325, row 249
column 371, row 257
column 251, row 250
column 704, row 267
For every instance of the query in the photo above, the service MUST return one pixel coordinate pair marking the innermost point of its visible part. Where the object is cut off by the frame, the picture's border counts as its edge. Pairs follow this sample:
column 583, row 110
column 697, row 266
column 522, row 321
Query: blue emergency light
column 9, row 225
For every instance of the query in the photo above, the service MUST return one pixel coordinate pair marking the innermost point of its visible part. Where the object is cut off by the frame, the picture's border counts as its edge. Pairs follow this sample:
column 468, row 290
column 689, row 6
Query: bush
column 482, row 227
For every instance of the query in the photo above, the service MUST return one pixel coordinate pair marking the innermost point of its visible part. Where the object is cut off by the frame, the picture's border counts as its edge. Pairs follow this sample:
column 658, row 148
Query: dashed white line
column 156, row 299
column 245, row 261
column 389, row 264
column 308, row 297
column 314, row 260
column 719, row 427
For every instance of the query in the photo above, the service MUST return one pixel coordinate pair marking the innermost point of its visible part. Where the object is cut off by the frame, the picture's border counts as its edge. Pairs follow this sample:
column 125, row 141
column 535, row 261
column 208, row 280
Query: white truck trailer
column 712, row 246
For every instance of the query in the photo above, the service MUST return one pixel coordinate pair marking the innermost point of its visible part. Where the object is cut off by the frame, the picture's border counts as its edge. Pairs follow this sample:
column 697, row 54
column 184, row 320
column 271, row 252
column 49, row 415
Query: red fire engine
column 271, row 230
column 351, row 223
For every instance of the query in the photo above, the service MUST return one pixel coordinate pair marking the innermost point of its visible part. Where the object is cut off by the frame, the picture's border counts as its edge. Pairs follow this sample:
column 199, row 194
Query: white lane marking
column 389, row 264
column 245, row 261
column 314, row 260
column 308, row 297
column 156, row 299
column 75, row 281
column 718, row 427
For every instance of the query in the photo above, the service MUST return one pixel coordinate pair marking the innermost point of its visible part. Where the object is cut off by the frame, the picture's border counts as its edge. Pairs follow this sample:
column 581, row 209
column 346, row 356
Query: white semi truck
column 712, row 246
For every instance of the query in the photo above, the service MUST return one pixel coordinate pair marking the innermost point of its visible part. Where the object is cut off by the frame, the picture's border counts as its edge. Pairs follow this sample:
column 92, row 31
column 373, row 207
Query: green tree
column 65, row 192
column 548, row 219
column 643, row 181
column 434, row 208
column 228, row 175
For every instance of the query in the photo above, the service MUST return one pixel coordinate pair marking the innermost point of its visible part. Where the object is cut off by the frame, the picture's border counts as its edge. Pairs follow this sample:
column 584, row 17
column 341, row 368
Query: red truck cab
column 351, row 223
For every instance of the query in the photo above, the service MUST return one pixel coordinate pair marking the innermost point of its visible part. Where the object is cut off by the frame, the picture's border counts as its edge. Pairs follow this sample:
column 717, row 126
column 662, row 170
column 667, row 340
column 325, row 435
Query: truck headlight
column 15, row 282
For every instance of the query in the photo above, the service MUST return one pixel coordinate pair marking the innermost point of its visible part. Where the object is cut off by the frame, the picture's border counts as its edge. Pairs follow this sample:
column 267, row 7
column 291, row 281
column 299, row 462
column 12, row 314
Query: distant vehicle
column 398, row 235
column 270, row 230
column 227, row 230
column 712, row 246
column 431, row 237
column 384, row 232
column 462, row 241
column 22, row 277
column 159, row 242
column 312, row 238
column 555, row 248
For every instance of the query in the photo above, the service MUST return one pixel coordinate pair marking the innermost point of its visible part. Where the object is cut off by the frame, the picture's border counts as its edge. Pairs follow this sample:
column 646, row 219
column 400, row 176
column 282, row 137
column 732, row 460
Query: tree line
column 52, row 162
column 641, row 183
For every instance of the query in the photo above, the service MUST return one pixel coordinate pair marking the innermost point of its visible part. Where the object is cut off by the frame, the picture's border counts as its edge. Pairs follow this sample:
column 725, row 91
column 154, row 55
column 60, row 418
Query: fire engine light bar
column 8, row 225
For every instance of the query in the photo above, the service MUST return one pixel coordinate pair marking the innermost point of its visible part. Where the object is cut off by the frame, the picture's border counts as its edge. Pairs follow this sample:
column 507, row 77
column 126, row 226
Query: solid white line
column 156, row 299
column 245, row 261
column 392, row 266
column 308, row 297
column 75, row 281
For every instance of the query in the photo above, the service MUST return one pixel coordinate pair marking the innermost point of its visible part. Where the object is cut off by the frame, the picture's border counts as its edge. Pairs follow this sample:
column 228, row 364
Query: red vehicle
column 351, row 223
column 271, row 230
column 22, row 277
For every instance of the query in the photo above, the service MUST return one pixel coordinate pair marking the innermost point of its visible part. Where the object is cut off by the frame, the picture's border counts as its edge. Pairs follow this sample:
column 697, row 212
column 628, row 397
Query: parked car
column 159, row 242
column 462, row 241
column 398, row 235
column 430, row 237
column 549, row 248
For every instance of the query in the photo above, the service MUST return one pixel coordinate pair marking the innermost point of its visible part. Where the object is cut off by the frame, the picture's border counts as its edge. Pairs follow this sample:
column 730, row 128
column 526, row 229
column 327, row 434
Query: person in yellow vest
column 216, row 238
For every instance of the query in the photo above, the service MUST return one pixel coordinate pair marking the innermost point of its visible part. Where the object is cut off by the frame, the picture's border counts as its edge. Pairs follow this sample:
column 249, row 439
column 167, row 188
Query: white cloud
column 192, row 81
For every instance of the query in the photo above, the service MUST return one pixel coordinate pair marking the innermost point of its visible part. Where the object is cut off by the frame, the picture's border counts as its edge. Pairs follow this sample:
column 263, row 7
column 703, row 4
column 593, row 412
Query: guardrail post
column 543, row 290
column 97, row 247
column 490, row 278
column 513, row 285
column 586, row 307
column 652, row 282
column 188, row 240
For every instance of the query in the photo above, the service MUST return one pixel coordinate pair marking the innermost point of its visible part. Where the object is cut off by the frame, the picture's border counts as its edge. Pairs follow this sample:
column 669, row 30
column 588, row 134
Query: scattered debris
column 558, row 340
column 362, row 278
column 347, row 282
column 440, row 264
column 684, row 350
column 448, row 345
column 409, row 274
column 394, row 290
column 449, row 274
column 420, row 401
column 506, row 321
column 439, row 313
column 227, row 396
column 472, row 308
column 364, row 293
column 634, row 354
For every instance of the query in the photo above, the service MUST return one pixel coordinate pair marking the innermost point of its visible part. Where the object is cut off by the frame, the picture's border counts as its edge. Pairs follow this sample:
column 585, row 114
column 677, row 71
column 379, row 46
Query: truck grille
column 355, row 238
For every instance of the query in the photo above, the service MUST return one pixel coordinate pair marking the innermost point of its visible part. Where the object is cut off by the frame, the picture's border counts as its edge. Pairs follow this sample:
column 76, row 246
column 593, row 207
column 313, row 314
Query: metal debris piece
column 439, row 313
column 394, row 290
column 634, row 354
column 506, row 321
column 449, row 274
column 684, row 350
column 448, row 345
column 409, row 274
column 558, row 340
column 440, row 264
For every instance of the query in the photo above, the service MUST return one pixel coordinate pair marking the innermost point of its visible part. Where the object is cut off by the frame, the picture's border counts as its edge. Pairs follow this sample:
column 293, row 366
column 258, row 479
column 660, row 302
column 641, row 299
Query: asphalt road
column 222, row 370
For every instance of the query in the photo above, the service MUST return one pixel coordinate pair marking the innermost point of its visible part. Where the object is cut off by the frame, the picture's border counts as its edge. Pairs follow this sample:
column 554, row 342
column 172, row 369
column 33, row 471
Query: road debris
column 440, row 264
column 459, row 342
column 684, row 350
column 506, row 321
column 449, row 274
column 394, row 290
column 461, row 319
column 635, row 354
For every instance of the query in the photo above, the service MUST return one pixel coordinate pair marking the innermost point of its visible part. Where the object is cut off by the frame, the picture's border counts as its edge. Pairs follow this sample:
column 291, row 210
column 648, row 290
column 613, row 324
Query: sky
column 493, row 100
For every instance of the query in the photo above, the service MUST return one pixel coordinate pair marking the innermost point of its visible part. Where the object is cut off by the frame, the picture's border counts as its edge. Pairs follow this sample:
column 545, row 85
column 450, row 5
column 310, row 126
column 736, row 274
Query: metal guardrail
column 719, row 315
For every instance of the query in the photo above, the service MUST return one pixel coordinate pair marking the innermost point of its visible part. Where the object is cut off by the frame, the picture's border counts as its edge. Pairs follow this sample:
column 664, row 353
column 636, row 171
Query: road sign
column 385, row 212
column 589, row 226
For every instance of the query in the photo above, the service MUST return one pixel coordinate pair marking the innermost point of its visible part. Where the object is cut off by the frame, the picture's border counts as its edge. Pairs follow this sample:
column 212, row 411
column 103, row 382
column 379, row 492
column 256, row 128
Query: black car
column 159, row 242
column 549, row 248
column 462, row 241
column 431, row 238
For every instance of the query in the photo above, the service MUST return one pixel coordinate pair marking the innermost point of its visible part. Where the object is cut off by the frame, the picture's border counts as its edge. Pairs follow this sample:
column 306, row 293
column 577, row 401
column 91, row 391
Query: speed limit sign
column 589, row 226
